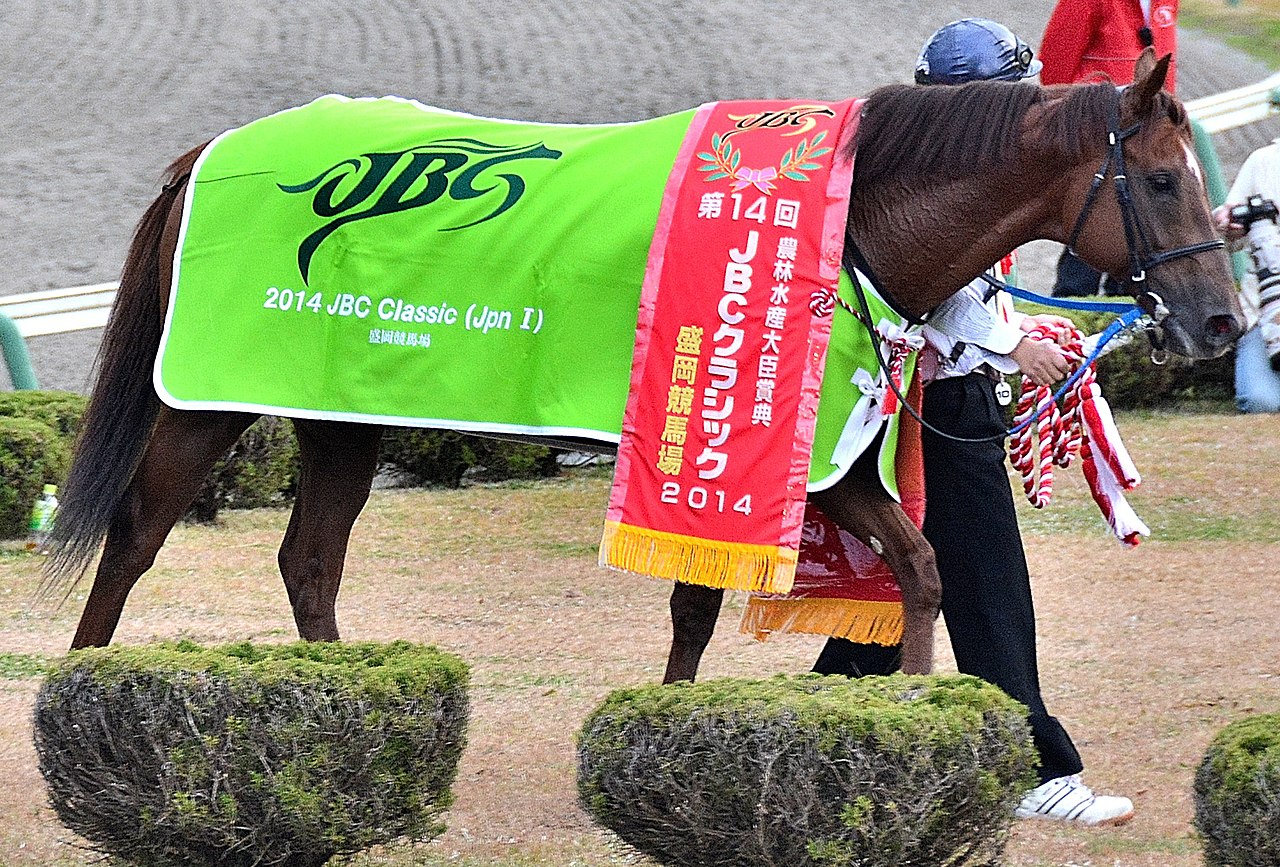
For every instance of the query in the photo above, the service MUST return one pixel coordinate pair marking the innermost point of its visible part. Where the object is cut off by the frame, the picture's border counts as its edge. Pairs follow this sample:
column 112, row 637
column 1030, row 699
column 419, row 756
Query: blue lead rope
column 1129, row 315
column 1066, row 303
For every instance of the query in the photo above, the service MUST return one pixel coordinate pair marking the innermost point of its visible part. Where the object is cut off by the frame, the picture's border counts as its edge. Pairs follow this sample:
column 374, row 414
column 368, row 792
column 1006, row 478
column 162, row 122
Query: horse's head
column 1138, row 208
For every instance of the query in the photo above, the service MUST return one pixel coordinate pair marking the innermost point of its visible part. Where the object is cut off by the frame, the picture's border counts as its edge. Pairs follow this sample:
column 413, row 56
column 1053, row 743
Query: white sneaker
column 1069, row 800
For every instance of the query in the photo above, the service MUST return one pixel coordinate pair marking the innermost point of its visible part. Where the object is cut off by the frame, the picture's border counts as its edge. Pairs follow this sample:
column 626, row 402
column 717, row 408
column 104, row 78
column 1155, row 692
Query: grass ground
column 1145, row 653
column 1253, row 26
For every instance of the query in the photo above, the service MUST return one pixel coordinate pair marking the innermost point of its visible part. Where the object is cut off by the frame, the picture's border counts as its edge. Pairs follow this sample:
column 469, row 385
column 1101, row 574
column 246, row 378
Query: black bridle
column 1141, row 256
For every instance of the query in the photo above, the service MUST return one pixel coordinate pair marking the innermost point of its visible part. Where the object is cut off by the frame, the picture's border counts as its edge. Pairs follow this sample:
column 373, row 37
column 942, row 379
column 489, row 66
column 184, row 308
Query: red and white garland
column 1084, row 425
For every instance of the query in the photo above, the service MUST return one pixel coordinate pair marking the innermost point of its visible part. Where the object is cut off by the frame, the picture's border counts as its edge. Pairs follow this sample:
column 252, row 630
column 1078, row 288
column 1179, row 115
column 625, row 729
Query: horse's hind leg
column 338, row 463
column 694, row 611
column 860, row 505
column 182, row 449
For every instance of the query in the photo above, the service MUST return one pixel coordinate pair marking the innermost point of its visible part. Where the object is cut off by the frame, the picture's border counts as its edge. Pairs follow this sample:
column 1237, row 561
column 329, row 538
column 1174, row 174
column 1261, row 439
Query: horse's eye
column 1161, row 182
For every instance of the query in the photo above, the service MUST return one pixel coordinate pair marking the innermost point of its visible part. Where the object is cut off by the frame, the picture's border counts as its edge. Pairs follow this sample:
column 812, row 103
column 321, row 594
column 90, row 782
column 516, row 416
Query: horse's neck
column 927, row 241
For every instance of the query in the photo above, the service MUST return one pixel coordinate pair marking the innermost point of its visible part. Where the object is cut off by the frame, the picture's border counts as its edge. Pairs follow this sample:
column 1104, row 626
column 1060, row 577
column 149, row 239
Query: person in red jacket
column 1093, row 40
column 1088, row 39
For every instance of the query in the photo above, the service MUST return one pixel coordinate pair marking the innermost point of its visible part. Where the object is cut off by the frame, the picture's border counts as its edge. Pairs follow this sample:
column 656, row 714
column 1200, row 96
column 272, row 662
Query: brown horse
column 947, row 180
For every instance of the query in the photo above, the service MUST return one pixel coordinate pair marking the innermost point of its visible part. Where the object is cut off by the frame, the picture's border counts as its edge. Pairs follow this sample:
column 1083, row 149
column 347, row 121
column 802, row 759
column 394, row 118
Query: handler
column 974, row 338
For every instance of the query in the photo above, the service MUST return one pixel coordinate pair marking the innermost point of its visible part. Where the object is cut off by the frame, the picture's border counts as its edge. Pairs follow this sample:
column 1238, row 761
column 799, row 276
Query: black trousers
column 1077, row 277
column 986, row 589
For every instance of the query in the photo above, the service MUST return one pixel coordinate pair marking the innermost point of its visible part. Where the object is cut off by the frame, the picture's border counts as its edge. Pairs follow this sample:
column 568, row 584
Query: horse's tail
column 123, row 406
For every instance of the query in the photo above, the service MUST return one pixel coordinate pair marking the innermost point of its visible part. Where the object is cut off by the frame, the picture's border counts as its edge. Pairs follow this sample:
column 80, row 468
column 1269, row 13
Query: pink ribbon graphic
column 759, row 178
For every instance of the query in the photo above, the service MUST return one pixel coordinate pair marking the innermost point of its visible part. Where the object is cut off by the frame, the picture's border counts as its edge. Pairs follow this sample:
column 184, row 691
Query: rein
column 1131, row 317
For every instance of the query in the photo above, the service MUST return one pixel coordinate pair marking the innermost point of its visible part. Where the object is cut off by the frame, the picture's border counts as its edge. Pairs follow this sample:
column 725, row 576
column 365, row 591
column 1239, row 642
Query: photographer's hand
column 1222, row 219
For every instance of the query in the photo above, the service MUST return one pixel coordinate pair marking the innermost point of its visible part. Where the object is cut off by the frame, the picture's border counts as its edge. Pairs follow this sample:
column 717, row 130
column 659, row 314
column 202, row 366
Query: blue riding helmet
column 974, row 49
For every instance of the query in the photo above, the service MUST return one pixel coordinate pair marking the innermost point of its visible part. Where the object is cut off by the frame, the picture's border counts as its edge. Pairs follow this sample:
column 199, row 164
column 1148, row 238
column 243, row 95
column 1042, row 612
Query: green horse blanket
column 377, row 260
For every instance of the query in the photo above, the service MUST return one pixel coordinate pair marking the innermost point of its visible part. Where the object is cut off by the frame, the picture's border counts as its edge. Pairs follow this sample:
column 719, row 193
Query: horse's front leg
column 694, row 611
column 860, row 505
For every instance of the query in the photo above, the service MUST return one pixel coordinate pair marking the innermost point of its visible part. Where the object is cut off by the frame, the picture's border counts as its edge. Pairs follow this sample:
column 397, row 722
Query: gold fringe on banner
column 855, row 619
column 704, row 562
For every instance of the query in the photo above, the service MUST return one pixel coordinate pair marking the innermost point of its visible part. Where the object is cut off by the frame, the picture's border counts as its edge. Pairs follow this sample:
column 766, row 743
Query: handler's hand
column 1062, row 324
column 1045, row 363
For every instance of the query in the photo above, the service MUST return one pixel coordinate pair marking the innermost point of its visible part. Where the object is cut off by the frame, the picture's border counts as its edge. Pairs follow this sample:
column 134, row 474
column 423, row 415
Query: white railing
column 1233, row 108
column 54, row 311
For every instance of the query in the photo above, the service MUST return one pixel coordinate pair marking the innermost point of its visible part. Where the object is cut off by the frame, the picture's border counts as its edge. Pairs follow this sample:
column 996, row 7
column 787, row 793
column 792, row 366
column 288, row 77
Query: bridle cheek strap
column 1141, row 257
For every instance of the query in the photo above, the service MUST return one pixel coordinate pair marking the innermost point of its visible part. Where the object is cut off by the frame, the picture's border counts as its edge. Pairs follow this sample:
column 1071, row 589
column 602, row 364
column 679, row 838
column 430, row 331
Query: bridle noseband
column 1141, row 256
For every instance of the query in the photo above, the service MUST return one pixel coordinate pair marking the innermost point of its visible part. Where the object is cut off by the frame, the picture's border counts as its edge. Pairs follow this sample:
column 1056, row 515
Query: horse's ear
column 1148, row 78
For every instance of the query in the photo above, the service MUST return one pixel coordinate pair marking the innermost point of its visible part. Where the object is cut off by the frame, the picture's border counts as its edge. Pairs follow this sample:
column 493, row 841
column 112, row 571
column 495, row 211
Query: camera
column 1257, row 208
column 1259, row 216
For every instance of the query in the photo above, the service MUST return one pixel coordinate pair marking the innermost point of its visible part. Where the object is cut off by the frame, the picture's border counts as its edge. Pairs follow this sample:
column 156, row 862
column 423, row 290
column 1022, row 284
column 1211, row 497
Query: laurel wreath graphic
column 725, row 161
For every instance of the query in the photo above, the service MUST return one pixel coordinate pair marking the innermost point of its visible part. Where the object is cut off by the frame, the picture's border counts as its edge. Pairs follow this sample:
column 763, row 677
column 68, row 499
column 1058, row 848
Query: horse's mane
column 948, row 131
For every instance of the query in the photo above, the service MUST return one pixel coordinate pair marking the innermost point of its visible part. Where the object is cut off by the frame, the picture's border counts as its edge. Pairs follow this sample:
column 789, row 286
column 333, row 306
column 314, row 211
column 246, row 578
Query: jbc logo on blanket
column 379, row 184
column 802, row 117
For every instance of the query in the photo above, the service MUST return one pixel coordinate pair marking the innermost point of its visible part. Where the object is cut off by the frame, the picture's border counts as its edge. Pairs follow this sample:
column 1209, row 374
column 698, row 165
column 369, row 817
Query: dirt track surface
column 100, row 95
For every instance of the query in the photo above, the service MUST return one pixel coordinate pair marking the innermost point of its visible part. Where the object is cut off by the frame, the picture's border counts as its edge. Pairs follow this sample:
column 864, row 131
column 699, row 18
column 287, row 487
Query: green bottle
column 42, row 518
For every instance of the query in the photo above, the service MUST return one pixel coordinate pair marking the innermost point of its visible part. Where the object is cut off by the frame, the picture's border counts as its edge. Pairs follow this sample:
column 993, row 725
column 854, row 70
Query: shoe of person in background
column 1069, row 800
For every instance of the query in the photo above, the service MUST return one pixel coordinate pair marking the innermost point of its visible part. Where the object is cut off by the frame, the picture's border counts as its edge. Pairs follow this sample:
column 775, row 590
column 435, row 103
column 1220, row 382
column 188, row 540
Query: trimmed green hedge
column 260, row 470
column 1237, row 794
column 251, row 755
column 60, row 410
column 442, row 457
column 875, row 772
column 37, row 432
column 31, row 455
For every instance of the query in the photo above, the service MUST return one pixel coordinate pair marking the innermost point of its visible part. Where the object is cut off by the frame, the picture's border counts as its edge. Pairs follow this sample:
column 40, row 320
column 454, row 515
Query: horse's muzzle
column 1215, row 336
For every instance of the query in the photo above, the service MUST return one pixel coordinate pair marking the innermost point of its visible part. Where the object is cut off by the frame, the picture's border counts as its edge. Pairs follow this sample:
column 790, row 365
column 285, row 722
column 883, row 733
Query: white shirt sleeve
column 1246, row 182
column 965, row 317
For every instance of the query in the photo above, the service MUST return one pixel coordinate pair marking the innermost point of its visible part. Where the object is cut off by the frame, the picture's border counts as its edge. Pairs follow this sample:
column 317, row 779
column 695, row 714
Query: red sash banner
column 710, row 482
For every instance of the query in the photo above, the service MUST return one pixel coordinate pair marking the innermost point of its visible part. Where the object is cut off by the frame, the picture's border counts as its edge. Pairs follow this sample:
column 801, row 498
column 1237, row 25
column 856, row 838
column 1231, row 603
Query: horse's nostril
column 1222, row 328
